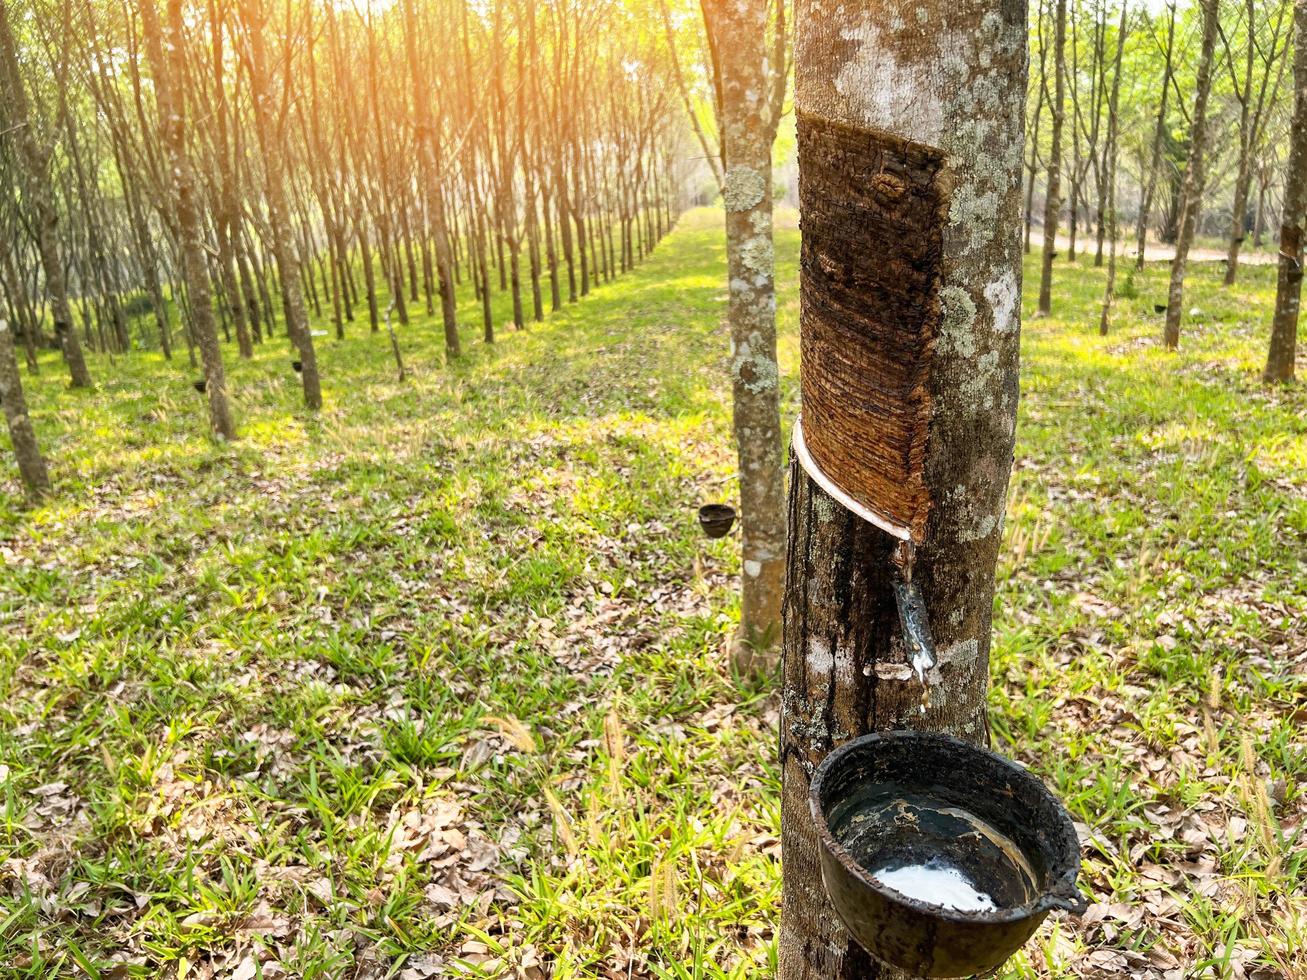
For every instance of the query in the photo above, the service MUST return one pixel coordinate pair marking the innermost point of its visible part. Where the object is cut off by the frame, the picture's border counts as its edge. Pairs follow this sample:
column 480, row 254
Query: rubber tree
column 1262, row 48
column 1191, row 193
column 33, row 164
column 31, row 465
column 1159, row 131
column 749, row 109
column 1053, row 186
column 1110, row 155
column 1288, row 291
column 170, row 93
column 269, row 120
column 910, row 136
column 432, row 180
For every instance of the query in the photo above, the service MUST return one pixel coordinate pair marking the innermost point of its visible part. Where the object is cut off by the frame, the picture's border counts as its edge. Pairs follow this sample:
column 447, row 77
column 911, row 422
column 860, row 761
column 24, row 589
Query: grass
column 434, row 683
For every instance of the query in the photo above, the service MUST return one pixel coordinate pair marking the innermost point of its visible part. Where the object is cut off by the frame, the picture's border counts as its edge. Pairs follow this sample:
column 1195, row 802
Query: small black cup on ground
column 298, row 366
column 201, row 386
column 716, row 519
column 1159, row 307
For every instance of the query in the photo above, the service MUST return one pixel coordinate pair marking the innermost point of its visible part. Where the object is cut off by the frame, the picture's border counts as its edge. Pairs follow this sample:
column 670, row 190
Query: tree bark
column 1053, row 186
column 1159, row 130
column 747, row 132
column 1193, row 176
column 34, row 168
column 1288, row 291
column 273, row 145
column 910, row 148
column 31, row 465
column 1111, row 151
column 169, row 82
column 433, row 181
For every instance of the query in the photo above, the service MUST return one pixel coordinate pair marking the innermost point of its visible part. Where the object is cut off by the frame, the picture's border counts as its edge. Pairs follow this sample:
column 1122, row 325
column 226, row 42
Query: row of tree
column 1165, row 117
column 247, row 163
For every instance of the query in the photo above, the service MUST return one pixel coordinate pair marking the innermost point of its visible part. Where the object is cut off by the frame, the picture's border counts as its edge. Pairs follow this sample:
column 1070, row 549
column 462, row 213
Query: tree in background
column 749, row 81
column 169, row 89
column 31, row 464
column 1053, row 187
column 270, row 128
column 910, row 146
column 33, row 164
column 1288, row 292
column 1110, row 155
column 1159, row 134
column 1191, row 195
column 1265, row 44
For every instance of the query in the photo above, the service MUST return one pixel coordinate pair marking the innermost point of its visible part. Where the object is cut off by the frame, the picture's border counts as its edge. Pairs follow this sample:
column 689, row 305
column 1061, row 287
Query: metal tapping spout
column 912, row 613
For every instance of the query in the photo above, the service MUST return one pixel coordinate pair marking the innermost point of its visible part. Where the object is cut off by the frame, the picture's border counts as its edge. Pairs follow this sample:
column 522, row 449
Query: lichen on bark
column 947, row 284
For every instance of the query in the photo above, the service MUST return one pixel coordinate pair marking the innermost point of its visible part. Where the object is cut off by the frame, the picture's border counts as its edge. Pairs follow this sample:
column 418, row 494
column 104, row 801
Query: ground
column 436, row 684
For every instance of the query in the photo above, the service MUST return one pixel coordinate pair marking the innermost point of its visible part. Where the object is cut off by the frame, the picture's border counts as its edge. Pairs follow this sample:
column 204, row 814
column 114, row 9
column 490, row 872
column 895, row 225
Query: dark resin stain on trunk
column 870, row 311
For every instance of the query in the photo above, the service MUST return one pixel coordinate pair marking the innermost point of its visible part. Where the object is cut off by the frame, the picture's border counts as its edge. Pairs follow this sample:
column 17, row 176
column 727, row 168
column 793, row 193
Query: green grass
column 436, row 680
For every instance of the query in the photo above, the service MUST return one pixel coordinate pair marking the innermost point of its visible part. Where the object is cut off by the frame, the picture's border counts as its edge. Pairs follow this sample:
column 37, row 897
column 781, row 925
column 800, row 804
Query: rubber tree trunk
column 1110, row 154
column 427, row 148
column 31, row 465
column 1191, row 193
column 169, row 75
column 1053, row 186
column 1155, row 159
column 1247, row 133
column 910, row 143
column 272, row 143
column 1288, row 292
column 34, row 167
column 747, row 133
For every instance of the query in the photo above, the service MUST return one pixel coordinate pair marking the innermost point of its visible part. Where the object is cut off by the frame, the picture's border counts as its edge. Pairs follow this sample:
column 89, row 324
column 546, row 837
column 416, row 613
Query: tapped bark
column 31, row 465
column 1288, row 291
column 910, row 149
column 1193, row 176
column 1053, row 187
column 748, row 127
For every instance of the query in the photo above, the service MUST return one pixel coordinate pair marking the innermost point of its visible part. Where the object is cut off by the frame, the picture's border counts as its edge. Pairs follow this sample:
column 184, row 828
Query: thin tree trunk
column 1037, row 117
column 1159, row 130
column 1259, row 224
column 1110, row 154
column 487, row 314
column 369, row 275
column 910, row 312
column 169, row 82
column 433, row 180
column 1052, row 194
column 31, row 464
column 1193, row 177
column 1288, row 291
column 272, row 141
column 747, row 133
column 35, row 173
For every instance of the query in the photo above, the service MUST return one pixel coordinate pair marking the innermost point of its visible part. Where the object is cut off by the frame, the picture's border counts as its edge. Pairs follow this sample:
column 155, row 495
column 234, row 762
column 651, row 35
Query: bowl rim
column 716, row 512
column 1058, row 892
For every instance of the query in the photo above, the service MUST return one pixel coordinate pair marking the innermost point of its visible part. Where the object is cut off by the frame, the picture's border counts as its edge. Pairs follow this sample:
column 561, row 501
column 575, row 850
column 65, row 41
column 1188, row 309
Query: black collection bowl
column 298, row 366
column 716, row 519
column 201, row 386
column 869, row 798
